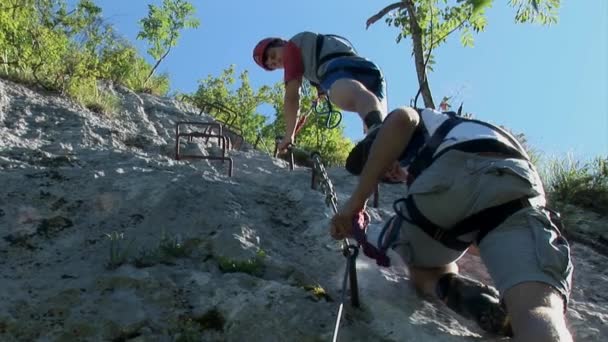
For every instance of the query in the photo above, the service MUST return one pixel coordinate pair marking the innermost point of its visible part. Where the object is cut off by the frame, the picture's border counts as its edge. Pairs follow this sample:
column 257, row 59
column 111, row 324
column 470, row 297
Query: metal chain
column 349, row 251
column 327, row 188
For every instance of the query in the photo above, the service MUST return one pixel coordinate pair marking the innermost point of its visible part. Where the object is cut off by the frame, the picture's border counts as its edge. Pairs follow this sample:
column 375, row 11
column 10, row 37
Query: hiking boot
column 476, row 301
column 372, row 119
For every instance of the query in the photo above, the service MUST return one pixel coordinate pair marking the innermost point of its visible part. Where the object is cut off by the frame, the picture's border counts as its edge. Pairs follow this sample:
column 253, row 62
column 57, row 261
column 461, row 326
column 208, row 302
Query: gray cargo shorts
column 525, row 247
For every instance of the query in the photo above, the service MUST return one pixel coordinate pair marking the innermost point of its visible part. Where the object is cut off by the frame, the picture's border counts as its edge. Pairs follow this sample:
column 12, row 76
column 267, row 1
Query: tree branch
column 416, row 32
column 383, row 12
column 418, row 50
column 156, row 65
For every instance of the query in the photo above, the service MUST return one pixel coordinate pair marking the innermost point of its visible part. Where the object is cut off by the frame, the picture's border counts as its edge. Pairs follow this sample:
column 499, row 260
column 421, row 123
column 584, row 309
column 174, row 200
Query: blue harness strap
column 390, row 233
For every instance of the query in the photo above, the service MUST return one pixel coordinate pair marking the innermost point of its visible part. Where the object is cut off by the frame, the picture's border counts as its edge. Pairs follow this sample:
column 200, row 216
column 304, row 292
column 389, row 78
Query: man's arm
column 291, row 107
column 393, row 137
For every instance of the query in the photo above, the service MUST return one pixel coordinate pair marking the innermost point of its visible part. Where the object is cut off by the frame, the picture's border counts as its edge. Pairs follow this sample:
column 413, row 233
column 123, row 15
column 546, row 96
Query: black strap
column 354, row 70
column 333, row 55
column 483, row 222
column 326, row 58
column 492, row 217
column 438, row 233
column 501, row 131
column 483, row 145
column 425, row 156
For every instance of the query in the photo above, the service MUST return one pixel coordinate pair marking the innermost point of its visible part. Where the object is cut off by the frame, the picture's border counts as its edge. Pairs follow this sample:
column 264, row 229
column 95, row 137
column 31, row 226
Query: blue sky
column 550, row 83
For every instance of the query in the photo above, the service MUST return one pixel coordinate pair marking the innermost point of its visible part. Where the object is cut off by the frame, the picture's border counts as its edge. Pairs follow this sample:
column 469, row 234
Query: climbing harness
column 483, row 221
column 320, row 110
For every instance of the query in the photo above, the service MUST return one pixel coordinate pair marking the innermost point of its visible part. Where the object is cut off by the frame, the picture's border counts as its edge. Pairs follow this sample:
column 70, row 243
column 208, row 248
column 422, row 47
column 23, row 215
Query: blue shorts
column 366, row 72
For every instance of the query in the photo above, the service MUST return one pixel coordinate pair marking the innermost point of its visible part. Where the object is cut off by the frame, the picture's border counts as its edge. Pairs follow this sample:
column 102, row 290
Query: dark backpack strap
column 320, row 39
column 329, row 56
column 333, row 55
column 354, row 70
column 485, row 145
column 503, row 132
column 425, row 156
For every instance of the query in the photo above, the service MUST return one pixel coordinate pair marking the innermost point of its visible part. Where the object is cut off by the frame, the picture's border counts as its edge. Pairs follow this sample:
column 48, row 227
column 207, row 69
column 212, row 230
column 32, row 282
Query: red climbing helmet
column 260, row 49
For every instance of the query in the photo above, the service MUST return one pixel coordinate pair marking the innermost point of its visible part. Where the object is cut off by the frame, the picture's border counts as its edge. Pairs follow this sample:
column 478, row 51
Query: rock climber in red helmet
column 332, row 65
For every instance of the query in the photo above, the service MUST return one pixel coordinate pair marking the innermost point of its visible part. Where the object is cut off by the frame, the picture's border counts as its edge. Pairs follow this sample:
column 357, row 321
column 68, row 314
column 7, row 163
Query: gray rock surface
column 105, row 237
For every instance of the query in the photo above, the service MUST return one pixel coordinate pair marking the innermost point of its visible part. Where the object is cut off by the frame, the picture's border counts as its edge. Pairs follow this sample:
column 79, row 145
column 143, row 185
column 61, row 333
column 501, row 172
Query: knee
column 351, row 93
column 540, row 324
column 537, row 313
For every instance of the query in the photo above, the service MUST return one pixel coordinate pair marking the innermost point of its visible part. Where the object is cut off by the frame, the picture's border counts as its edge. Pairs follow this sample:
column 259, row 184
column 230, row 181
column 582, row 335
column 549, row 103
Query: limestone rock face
column 105, row 236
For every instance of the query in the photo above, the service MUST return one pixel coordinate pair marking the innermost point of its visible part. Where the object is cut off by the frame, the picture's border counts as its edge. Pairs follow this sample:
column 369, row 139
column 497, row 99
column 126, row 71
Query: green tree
column 237, row 104
column 68, row 49
column 237, row 108
column 54, row 46
column 430, row 22
column 314, row 136
column 162, row 27
column 118, row 61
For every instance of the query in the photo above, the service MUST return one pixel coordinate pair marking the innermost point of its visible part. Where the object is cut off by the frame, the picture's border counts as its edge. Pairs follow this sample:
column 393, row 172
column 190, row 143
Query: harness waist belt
column 483, row 222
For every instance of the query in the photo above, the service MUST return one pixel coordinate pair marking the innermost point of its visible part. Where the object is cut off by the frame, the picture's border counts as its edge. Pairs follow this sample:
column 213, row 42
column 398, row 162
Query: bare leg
column 351, row 95
column 468, row 297
column 425, row 279
column 537, row 313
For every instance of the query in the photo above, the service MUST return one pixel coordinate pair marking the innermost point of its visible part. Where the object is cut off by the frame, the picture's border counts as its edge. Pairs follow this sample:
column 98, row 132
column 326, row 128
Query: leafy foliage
column 439, row 18
column 536, row 11
column 162, row 26
column 582, row 184
column 314, row 136
column 430, row 22
column 47, row 44
column 237, row 108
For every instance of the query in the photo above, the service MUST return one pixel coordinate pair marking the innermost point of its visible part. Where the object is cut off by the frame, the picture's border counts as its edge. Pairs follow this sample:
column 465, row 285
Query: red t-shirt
column 292, row 62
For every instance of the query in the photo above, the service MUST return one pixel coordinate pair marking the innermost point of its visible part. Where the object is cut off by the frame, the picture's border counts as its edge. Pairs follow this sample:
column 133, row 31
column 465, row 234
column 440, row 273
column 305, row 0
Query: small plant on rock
column 173, row 246
column 119, row 253
column 581, row 184
column 253, row 266
column 318, row 292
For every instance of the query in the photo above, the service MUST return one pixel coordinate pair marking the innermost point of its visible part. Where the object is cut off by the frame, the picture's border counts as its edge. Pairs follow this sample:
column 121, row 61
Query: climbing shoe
column 476, row 301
